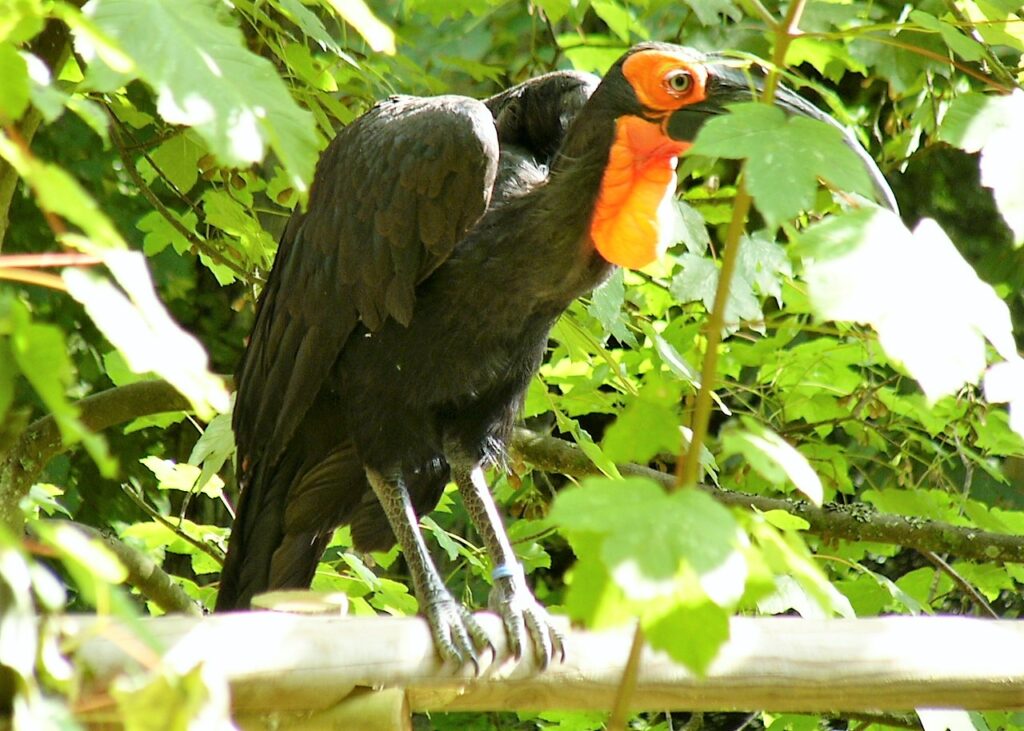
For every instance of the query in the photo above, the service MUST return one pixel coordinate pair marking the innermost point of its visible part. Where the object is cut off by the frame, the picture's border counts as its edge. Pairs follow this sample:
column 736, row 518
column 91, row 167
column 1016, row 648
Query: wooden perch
column 281, row 664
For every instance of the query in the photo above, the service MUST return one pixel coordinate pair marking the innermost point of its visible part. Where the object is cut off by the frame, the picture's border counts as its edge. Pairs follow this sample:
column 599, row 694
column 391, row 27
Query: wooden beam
column 284, row 663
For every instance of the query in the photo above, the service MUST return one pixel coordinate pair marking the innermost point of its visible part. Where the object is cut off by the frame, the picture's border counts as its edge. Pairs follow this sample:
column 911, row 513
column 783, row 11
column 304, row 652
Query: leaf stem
column 620, row 709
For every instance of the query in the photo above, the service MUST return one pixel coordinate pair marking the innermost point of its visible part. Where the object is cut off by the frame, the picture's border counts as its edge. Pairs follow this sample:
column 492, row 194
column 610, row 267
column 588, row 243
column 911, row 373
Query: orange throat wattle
column 630, row 222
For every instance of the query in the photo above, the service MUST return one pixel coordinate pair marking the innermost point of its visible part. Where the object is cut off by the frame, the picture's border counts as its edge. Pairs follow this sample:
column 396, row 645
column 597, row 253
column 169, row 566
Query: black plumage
column 406, row 312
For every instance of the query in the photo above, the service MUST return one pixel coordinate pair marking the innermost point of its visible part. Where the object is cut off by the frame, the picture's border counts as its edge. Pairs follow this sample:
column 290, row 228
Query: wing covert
column 393, row 195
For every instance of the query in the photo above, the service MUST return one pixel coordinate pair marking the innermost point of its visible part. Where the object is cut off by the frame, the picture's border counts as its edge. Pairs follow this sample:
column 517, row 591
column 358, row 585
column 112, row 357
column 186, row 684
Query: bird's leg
column 457, row 635
column 510, row 596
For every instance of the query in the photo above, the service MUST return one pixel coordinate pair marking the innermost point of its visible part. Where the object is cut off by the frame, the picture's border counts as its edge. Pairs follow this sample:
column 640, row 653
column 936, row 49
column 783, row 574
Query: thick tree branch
column 857, row 522
column 145, row 575
column 40, row 442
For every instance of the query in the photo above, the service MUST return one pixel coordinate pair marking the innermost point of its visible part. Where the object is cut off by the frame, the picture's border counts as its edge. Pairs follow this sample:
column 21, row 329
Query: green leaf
column 178, row 159
column 139, row 326
column 773, row 458
column 555, row 9
column 763, row 264
column 831, row 59
column 449, row 546
column 594, row 598
column 691, row 634
column 964, row 46
column 214, row 447
column 118, row 370
column 785, row 521
column 693, row 232
column 165, row 700
column 606, row 306
column 652, row 536
column 159, row 233
column 930, row 309
column 698, row 280
column 649, row 425
column 14, row 92
column 20, row 20
column 783, row 183
column 710, row 12
column 206, row 78
column 182, row 477
column 41, row 354
column 619, row 19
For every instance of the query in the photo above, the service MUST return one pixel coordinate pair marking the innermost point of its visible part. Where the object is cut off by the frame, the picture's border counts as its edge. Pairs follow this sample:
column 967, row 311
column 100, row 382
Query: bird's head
column 658, row 96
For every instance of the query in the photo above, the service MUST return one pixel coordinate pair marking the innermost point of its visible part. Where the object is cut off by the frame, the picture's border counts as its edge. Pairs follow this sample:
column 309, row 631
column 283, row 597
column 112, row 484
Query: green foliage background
column 851, row 370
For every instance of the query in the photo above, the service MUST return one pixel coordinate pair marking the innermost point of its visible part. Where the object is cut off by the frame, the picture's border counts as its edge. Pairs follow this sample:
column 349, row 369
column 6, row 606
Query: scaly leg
column 457, row 635
column 510, row 597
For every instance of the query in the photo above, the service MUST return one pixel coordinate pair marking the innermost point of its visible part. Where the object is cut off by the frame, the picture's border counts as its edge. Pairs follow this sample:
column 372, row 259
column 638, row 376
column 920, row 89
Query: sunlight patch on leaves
column 182, row 699
column 931, row 311
column 40, row 352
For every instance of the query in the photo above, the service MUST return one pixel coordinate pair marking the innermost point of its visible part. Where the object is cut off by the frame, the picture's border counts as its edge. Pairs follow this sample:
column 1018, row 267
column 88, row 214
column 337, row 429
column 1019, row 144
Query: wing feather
column 393, row 195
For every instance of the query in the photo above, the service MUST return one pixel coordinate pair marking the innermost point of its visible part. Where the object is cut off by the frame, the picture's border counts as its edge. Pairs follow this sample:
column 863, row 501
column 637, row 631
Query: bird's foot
column 523, row 615
column 459, row 638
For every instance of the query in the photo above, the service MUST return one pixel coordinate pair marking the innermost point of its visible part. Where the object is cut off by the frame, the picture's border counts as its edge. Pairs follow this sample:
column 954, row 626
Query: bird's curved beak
column 728, row 84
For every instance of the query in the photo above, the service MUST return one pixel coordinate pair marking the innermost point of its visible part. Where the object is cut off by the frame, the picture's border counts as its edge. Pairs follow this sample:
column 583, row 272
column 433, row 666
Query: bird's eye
column 679, row 81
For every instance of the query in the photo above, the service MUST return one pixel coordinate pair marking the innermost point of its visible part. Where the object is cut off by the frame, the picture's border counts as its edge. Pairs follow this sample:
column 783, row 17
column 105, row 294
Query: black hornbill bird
column 410, row 306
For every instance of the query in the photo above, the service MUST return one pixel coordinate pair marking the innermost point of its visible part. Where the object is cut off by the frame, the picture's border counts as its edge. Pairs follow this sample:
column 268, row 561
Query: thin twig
column 134, row 494
column 960, row 581
column 42, row 279
column 49, row 259
column 627, row 686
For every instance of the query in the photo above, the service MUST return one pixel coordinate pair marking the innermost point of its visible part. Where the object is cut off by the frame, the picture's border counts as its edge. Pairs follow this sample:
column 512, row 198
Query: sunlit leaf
column 651, row 536
column 206, row 78
column 136, row 323
column 930, row 309
column 14, row 91
column 20, row 20
column 995, row 126
column 775, row 459
column 357, row 14
column 182, row 477
column 1004, row 383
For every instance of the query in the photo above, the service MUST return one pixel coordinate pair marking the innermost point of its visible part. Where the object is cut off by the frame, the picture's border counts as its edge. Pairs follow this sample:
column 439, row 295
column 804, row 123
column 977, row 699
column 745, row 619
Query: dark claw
column 522, row 616
column 459, row 638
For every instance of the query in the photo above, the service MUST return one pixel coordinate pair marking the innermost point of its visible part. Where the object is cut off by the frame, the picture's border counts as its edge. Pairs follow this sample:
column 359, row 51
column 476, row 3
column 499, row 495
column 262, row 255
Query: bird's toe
column 458, row 637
